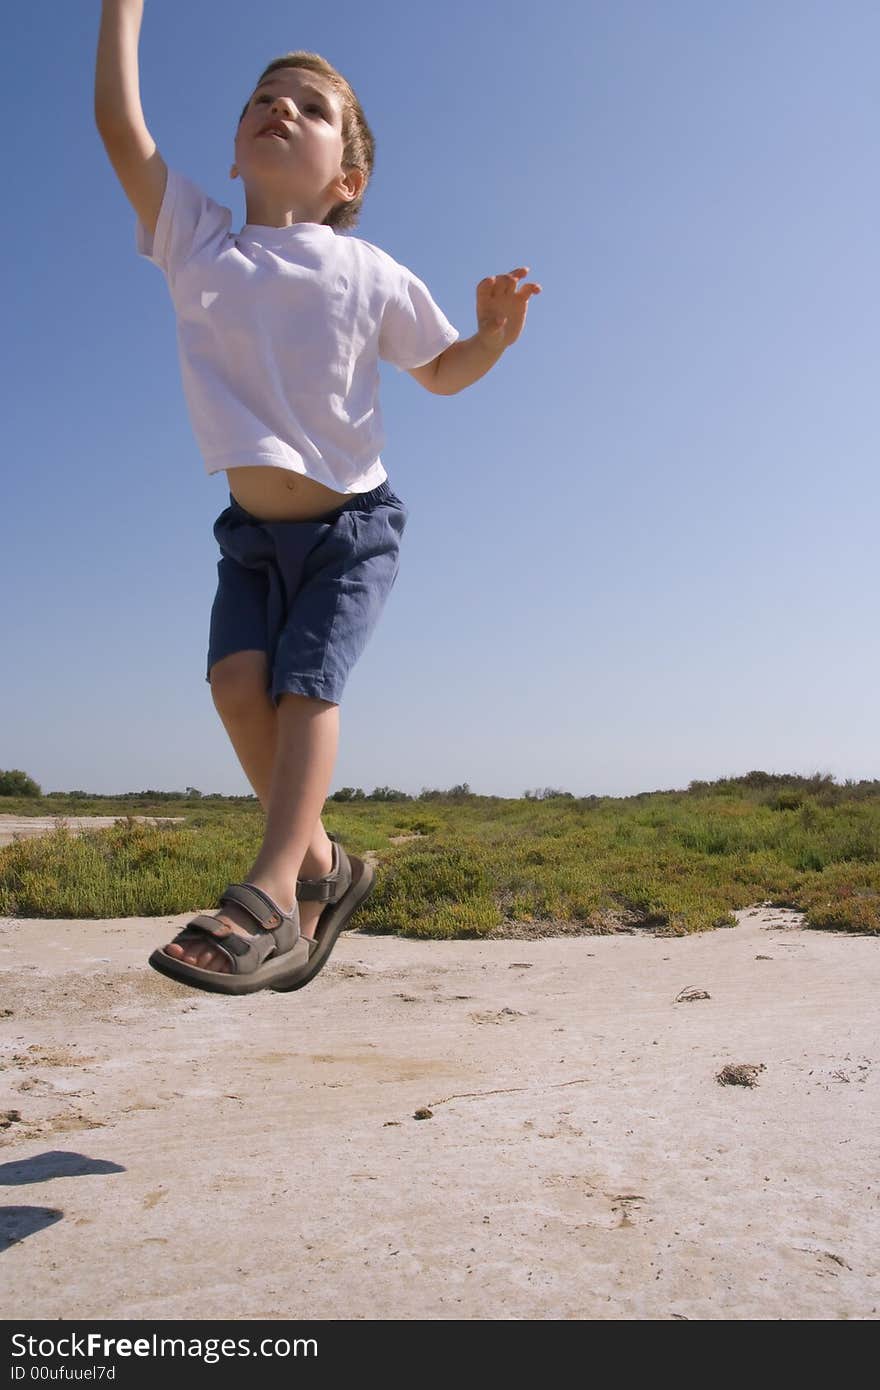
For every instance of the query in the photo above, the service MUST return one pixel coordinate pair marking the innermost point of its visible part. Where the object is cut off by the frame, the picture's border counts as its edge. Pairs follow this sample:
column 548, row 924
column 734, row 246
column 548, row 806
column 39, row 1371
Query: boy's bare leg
column 304, row 740
column 252, row 730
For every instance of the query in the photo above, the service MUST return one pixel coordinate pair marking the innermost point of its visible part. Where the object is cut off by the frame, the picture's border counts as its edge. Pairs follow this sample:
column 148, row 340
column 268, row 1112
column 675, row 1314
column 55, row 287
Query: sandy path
column 581, row 1160
column 27, row 826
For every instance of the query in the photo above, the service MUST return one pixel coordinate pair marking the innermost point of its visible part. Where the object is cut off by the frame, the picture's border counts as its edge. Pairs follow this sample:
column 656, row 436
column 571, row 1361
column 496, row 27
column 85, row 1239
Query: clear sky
column 642, row 550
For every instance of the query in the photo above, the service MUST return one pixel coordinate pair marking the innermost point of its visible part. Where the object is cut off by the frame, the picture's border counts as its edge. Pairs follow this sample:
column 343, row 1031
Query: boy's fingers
column 526, row 291
column 512, row 276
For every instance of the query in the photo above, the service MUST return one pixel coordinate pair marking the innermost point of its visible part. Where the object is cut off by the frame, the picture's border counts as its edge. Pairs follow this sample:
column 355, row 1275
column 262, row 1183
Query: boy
column 279, row 330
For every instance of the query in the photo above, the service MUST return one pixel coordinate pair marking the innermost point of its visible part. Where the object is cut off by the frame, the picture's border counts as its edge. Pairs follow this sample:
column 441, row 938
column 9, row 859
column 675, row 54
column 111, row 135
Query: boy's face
column 297, row 177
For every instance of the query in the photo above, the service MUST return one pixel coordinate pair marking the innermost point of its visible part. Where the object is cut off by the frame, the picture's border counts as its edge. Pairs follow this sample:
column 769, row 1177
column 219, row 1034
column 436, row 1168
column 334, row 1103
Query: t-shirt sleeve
column 414, row 328
column 188, row 219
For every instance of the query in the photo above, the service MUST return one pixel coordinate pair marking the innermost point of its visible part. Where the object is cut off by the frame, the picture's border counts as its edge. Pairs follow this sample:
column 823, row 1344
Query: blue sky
column 642, row 550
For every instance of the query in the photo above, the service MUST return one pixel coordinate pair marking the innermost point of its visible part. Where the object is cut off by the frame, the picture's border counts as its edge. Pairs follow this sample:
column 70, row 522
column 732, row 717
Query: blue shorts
column 307, row 593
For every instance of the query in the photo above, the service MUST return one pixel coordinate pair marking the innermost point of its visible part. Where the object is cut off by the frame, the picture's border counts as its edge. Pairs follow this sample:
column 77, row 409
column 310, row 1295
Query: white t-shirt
column 279, row 332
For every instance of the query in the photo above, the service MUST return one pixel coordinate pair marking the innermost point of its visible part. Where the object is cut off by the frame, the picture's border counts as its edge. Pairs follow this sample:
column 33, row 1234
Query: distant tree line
column 787, row 790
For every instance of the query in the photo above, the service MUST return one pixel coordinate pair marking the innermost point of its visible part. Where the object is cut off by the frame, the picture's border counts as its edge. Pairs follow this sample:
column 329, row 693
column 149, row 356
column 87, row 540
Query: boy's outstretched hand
column 501, row 308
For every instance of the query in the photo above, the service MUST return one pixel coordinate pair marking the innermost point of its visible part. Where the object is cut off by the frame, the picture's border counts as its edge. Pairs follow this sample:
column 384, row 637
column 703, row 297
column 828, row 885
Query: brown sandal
column 273, row 957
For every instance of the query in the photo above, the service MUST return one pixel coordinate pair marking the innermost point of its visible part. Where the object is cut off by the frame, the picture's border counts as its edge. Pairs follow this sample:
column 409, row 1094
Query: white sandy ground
column 183, row 1153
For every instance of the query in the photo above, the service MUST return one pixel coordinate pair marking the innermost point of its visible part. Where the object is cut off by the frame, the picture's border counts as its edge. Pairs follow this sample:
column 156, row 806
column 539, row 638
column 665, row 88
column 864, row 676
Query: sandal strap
column 201, row 926
column 266, row 913
column 332, row 886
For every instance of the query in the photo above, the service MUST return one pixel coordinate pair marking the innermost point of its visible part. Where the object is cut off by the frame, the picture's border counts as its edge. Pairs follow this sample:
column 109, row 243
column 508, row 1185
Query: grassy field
column 668, row 862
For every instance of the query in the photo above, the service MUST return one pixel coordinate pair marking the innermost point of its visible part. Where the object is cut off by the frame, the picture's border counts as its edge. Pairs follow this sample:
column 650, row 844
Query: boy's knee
column 240, row 681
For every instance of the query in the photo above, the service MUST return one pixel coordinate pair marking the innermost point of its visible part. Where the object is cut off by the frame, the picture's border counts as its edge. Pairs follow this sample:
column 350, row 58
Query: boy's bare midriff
column 277, row 494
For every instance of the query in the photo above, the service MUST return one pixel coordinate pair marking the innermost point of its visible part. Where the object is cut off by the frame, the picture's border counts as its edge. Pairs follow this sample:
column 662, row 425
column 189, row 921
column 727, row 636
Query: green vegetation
column 669, row 861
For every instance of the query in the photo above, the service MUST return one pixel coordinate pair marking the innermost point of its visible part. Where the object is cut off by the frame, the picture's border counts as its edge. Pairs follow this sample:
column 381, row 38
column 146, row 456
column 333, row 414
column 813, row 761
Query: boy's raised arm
column 130, row 147
column 117, row 86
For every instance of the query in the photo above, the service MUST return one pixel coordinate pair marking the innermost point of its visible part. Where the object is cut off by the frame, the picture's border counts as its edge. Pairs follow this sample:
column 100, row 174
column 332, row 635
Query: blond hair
column 358, row 141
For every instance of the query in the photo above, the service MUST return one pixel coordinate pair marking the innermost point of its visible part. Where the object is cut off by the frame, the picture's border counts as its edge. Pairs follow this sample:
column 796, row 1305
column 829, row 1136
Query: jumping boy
column 280, row 327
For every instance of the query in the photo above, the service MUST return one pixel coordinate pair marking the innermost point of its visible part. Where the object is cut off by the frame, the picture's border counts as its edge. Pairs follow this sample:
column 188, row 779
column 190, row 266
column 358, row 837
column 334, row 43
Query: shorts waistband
column 382, row 493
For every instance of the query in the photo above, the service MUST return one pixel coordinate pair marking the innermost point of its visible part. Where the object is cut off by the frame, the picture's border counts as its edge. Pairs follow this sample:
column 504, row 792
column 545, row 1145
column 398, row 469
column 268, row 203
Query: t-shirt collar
column 279, row 236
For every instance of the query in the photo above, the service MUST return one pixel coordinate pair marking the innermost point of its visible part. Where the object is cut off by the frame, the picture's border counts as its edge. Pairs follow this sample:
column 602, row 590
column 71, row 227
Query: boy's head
column 322, row 167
